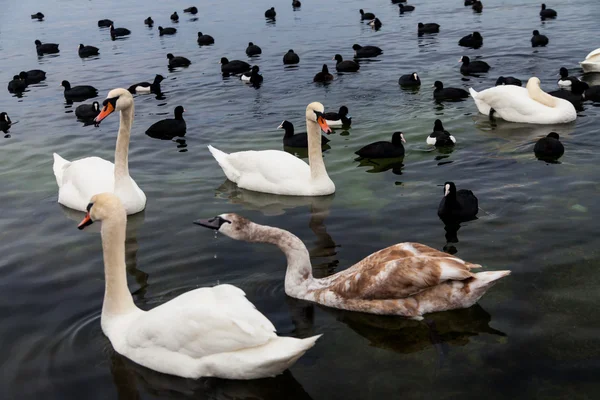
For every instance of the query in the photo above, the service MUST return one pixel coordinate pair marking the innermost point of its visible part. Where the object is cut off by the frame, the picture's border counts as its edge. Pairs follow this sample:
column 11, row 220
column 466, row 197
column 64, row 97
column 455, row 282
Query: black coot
column 323, row 76
column 547, row 12
column 538, row 40
column 549, row 147
column 5, row 122
column 17, row 85
column 175, row 17
column 593, row 93
column 78, row 92
column 383, row 149
column 340, row 118
column 38, row 15
column 473, row 40
column 166, row 31
column 376, row 24
column 118, row 32
column 291, row 58
column 345, row 66
column 477, row 6
column 270, row 13
column 46, row 48
column 366, row 16
column 410, row 80
column 86, row 112
column 104, row 23
column 191, row 10
column 234, row 67
column 87, row 51
column 457, row 206
column 366, row 51
column 169, row 128
column 508, row 80
column 205, row 40
column 149, row 21
column 299, row 140
column 441, row 93
column 405, row 8
column 252, row 77
column 427, row 28
column 33, row 76
column 296, row 3
column 472, row 67
column 253, row 50
column 178, row 61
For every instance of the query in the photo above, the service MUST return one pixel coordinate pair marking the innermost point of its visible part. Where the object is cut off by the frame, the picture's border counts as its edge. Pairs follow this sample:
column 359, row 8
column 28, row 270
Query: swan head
column 314, row 113
column 233, row 225
column 101, row 207
column 116, row 100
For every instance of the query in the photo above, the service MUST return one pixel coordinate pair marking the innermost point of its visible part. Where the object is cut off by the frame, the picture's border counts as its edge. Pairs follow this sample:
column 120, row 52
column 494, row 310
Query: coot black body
column 441, row 93
column 33, row 76
column 87, row 51
column 147, row 87
column 166, row 31
column 175, row 17
column 178, row 61
column 593, row 93
column 299, row 140
column 473, row 67
column 104, row 23
column 366, row 51
column 477, row 6
column 366, row 16
column 86, row 112
column 252, row 77
column 575, row 96
column 405, row 8
column 38, row 15
column 169, row 128
column 253, row 50
column 547, row 12
column 473, row 40
column 410, row 80
column 383, row 149
column 323, row 76
column 191, row 10
column 376, row 24
column 234, row 67
column 549, row 147
column 270, row 13
column 538, row 40
column 339, row 118
column 457, row 206
column 508, row 80
column 149, row 21
column 428, row 28
column 205, row 40
column 345, row 66
column 78, row 92
column 296, row 4
column 46, row 48
column 17, row 85
column 118, row 32
column 291, row 58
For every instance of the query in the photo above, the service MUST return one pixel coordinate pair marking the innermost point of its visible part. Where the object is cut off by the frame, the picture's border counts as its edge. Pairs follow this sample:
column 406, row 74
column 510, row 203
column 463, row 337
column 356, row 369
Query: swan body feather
column 591, row 62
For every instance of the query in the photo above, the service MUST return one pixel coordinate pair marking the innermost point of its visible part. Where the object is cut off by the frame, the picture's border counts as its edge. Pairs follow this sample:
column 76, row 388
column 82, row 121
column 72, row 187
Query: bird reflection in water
column 134, row 223
column 382, row 164
column 132, row 381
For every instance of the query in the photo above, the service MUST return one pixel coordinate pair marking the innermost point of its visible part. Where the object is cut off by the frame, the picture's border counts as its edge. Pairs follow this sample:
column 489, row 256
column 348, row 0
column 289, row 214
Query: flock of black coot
column 461, row 204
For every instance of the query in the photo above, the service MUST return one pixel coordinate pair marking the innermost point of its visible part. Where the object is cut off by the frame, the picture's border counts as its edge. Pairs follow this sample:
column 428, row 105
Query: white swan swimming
column 279, row 172
column 530, row 105
column 591, row 62
column 79, row 180
column 206, row 332
column 407, row 279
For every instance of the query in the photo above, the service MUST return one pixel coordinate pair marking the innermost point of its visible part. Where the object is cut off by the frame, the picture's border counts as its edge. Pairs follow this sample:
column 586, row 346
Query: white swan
column 530, row 105
column 79, row 180
column 202, row 333
column 591, row 62
column 407, row 279
column 279, row 172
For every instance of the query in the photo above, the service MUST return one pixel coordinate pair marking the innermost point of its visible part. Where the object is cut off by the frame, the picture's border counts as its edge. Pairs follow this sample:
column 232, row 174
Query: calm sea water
column 534, row 335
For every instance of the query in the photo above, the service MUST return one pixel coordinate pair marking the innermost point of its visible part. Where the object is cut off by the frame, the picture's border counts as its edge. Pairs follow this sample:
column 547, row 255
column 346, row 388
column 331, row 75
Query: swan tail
column 482, row 106
column 59, row 168
column 487, row 279
column 222, row 159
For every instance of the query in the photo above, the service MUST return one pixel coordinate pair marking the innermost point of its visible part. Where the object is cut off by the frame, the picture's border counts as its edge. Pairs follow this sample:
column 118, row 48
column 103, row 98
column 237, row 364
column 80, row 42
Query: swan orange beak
column 86, row 221
column 323, row 124
column 106, row 111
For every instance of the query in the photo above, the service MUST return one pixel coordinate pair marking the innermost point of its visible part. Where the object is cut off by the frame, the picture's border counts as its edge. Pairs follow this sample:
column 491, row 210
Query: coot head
column 398, row 138
column 438, row 85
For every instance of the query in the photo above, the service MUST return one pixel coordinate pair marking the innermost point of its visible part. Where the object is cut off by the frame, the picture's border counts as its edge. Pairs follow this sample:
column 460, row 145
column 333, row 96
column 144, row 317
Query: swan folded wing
column 202, row 322
column 400, row 271
column 271, row 165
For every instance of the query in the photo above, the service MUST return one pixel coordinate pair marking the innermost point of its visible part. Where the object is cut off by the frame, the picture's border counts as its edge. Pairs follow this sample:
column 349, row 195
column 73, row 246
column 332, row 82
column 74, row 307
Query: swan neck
column 299, row 268
column 122, row 148
column 117, row 298
column 315, row 153
column 536, row 93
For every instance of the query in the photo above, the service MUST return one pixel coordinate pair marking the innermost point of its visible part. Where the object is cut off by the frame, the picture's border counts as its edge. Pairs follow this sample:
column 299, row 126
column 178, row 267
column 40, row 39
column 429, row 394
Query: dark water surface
column 534, row 335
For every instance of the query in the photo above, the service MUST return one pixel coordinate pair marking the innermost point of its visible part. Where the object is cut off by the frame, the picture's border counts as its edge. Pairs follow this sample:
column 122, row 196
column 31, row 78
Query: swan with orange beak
column 279, row 172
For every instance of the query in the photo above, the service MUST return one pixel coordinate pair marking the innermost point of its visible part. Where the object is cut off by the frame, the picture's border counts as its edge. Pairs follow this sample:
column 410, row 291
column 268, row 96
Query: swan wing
column 202, row 322
column 400, row 271
column 593, row 56
column 79, row 180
